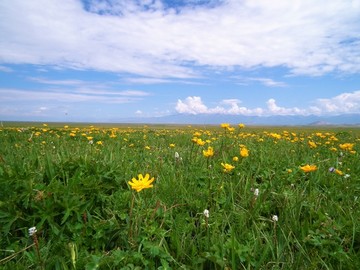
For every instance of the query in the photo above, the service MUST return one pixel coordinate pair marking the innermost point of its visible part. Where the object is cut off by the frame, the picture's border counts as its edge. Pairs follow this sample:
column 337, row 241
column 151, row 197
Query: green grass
column 74, row 190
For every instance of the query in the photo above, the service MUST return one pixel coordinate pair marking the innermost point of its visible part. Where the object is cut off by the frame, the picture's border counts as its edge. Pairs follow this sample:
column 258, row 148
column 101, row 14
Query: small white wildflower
column 32, row 231
column 91, row 142
column 206, row 213
column 177, row 156
column 331, row 169
column 346, row 176
column 275, row 218
column 256, row 192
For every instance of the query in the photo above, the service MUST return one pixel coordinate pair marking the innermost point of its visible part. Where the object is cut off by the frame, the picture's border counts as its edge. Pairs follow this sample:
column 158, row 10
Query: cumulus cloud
column 152, row 39
column 194, row 105
column 344, row 103
column 191, row 105
column 274, row 109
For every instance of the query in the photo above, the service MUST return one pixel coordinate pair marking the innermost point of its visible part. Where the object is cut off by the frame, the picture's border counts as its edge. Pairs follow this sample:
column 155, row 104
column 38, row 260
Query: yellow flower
column 235, row 159
column 289, row 170
column 209, row 152
column 200, row 142
column 147, row 147
column 141, row 183
column 308, row 168
column 312, row 144
column 225, row 125
column 244, row 152
column 241, row 125
column 347, row 146
column 99, row 143
column 172, row 145
column 231, row 129
column 338, row 172
column 227, row 167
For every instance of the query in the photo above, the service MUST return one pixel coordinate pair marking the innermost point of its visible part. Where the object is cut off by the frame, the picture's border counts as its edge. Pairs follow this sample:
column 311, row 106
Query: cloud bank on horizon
column 185, row 43
column 341, row 104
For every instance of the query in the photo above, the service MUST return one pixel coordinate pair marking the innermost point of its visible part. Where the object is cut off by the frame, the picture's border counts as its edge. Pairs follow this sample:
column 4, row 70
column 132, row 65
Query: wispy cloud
column 5, row 69
column 344, row 103
column 64, row 95
column 152, row 39
column 57, row 82
column 264, row 81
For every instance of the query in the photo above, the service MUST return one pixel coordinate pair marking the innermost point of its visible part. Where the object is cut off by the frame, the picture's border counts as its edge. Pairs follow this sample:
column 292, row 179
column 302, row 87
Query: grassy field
column 222, row 197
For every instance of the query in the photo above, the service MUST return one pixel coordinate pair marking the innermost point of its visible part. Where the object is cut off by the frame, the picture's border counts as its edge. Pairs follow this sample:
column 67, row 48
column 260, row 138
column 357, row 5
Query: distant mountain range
column 279, row 120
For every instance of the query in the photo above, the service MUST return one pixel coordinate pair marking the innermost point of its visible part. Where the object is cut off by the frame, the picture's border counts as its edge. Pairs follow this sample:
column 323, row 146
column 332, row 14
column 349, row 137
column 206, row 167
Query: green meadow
column 222, row 197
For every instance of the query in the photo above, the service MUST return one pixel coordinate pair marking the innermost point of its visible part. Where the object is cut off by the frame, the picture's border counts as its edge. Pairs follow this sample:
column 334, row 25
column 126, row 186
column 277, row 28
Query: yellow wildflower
column 172, row 145
column 308, row 168
column 241, row 125
column 347, row 146
column 200, row 142
column 244, row 152
column 141, row 183
column 338, row 172
column 209, row 152
column 312, row 144
column 225, row 125
column 99, row 142
column 235, row 159
column 227, row 167
column 231, row 129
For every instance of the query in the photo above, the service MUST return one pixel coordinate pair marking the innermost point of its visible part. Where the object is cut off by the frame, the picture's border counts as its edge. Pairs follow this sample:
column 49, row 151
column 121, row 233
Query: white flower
column 32, row 231
column 346, row 176
column 256, row 192
column 177, row 156
column 275, row 218
column 206, row 213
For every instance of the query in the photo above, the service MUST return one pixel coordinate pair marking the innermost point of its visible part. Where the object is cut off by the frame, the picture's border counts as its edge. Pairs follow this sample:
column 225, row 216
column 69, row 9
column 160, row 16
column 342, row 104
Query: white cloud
column 194, row 105
column 344, row 103
column 57, row 82
column 5, row 69
column 191, row 105
column 264, row 81
column 269, row 82
column 64, row 95
column 274, row 109
column 150, row 40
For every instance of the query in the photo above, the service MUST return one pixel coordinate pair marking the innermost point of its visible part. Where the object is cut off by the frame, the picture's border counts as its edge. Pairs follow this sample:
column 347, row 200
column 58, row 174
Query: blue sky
column 109, row 60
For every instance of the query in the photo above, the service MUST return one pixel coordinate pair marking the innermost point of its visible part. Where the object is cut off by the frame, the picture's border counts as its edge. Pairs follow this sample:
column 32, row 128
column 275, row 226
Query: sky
column 115, row 60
